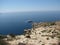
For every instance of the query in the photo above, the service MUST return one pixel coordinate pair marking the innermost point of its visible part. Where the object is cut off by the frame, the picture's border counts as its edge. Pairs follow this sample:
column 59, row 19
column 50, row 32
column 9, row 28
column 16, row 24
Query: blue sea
column 15, row 23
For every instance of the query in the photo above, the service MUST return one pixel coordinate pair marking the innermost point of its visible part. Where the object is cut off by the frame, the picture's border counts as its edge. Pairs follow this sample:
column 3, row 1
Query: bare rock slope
column 40, row 34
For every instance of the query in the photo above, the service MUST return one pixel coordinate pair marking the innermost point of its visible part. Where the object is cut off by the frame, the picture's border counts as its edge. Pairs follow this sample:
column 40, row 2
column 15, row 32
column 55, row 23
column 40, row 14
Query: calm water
column 16, row 22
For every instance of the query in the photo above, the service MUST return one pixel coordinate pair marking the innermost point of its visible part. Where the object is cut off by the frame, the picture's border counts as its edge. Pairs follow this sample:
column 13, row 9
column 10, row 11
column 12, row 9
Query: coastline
column 43, row 33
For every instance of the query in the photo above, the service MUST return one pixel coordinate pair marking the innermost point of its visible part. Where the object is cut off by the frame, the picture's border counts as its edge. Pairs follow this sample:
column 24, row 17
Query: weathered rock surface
column 42, row 35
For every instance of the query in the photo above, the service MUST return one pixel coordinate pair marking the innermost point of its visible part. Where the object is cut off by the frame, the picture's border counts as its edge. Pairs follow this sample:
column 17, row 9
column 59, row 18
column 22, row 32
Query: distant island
column 42, row 33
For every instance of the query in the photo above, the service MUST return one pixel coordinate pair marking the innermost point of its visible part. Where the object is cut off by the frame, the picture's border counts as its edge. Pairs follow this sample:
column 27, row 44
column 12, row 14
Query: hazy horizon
column 29, row 5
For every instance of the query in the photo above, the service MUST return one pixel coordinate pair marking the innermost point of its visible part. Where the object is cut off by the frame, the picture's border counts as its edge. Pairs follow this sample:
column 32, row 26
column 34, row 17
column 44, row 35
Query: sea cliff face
column 40, row 34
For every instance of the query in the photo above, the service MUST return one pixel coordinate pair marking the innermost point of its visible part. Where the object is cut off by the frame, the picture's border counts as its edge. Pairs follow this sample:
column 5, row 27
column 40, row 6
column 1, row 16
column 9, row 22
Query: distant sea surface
column 15, row 23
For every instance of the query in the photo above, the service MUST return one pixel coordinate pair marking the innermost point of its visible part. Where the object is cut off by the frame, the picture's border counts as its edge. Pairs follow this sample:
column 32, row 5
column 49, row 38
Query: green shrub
column 52, row 23
column 2, row 42
column 1, row 37
column 47, row 38
column 12, row 35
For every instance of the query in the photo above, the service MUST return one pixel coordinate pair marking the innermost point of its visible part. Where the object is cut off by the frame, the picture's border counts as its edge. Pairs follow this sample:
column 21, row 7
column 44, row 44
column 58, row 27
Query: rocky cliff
column 40, row 34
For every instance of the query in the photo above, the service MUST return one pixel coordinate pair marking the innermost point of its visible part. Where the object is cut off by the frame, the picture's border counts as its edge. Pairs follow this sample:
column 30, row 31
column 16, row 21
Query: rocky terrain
column 43, row 33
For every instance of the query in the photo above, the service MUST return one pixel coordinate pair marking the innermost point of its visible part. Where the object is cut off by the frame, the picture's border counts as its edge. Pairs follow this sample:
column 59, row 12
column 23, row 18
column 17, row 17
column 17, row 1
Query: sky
column 29, row 5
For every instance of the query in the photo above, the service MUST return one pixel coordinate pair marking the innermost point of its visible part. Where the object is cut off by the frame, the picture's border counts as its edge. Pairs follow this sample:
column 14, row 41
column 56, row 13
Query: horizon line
column 26, row 11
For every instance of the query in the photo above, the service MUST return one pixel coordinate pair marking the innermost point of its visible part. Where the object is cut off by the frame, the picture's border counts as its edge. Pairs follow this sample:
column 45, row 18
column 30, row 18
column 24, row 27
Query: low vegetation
column 47, row 30
column 12, row 35
column 2, row 42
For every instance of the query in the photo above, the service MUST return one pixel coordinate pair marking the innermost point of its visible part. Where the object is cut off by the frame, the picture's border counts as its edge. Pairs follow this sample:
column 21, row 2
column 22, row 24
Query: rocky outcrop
column 40, row 34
